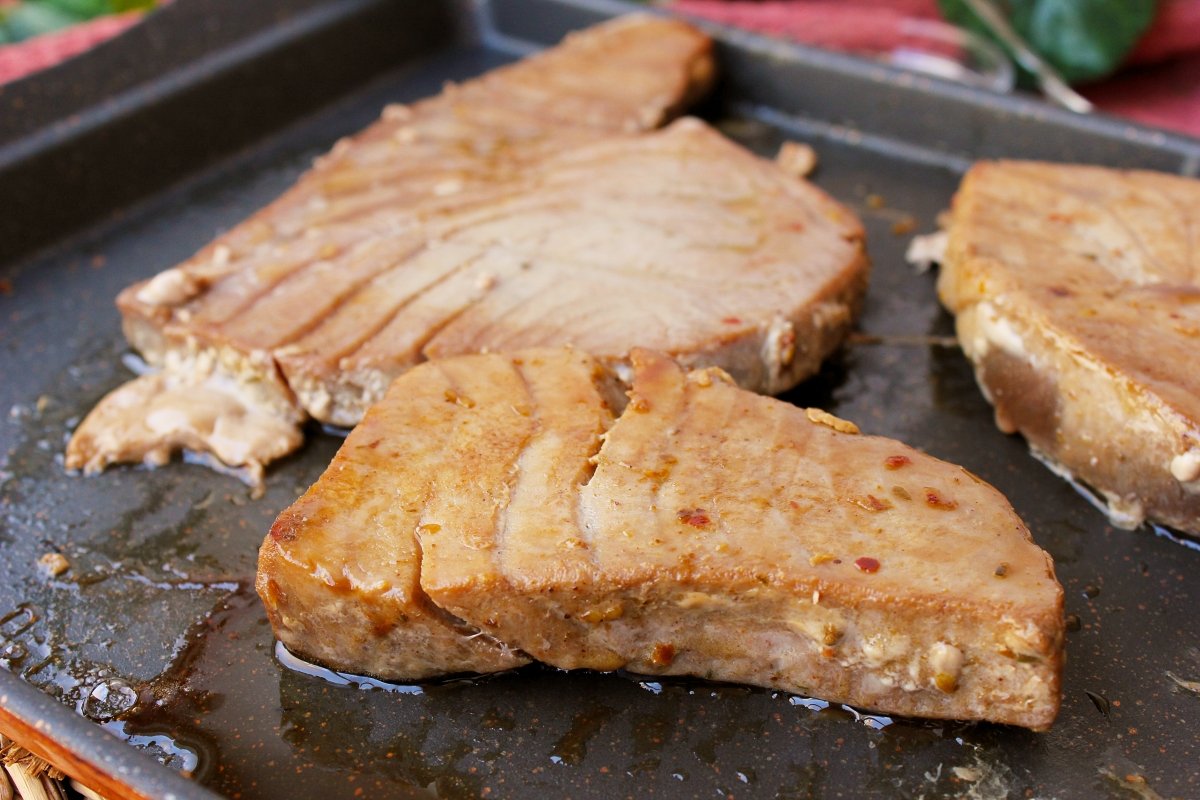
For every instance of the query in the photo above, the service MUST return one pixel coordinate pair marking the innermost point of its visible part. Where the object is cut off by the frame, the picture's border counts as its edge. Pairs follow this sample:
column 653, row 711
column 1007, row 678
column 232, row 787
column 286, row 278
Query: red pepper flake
column 873, row 503
column 696, row 517
column 663, row 654
column 896, row 462
column 731, row 320
column 935, row 499
column 6, row 287
column 867, row 564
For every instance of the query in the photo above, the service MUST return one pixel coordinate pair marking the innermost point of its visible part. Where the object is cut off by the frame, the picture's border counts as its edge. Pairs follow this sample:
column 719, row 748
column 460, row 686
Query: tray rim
column 1017, row 108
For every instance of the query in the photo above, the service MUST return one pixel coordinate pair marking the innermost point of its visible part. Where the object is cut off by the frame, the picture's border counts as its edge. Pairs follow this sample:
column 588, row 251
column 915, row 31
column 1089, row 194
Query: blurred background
column 1138, row 59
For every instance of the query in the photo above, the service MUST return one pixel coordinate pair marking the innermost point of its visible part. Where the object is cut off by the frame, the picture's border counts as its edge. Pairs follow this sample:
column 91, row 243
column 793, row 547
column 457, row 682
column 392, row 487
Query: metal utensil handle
column 1051, row 83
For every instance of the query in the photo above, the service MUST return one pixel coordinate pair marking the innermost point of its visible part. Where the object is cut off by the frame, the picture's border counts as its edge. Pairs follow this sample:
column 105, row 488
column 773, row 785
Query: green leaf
column 1086, row 39
column 81, row 9
column 33, row 19
column 132, row 5
column 1082, row 39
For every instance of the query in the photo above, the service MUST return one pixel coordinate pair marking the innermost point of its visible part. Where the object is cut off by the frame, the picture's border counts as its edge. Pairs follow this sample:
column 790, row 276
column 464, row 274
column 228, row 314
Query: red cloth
column 863, row 25
column 1166, row 95
column 1163, row 89
column 22, row 58
column 1175, row 31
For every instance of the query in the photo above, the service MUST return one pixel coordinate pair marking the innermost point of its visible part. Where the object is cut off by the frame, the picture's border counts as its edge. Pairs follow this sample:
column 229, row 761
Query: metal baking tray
column 157, row 604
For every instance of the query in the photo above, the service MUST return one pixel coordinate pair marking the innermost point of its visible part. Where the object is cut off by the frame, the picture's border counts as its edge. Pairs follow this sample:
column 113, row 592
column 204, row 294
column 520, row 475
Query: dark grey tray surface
column 157, row 608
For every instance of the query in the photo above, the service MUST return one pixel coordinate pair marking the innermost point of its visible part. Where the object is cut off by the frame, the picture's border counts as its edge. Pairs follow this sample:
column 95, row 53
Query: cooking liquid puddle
column 225, row 705
column 244, row 716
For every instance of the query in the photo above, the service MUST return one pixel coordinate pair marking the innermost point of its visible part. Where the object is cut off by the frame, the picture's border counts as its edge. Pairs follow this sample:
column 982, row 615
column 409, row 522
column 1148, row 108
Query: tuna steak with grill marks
column 217, row 320
column 498, row 228
column 496, row 508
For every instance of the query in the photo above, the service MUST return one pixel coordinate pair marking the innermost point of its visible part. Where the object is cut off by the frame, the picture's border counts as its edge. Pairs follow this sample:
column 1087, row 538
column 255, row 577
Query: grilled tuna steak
column 707, row 531
column 220, row 316
column 677, row 240
column 1077, row 296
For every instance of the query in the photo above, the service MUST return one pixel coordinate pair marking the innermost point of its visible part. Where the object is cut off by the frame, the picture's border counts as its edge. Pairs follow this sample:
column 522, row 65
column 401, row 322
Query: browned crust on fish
column 704, row 531
column 1077, row 296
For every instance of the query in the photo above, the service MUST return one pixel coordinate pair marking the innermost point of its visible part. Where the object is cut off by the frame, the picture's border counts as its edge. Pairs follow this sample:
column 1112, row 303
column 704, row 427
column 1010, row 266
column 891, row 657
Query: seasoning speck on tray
column 53, row 564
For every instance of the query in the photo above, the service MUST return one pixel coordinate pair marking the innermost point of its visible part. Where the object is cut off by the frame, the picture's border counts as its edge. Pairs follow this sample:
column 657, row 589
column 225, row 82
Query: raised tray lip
column 80, row 743
column 1014, row 109
column 95, row 752
column 147, row 97
column 138, row 55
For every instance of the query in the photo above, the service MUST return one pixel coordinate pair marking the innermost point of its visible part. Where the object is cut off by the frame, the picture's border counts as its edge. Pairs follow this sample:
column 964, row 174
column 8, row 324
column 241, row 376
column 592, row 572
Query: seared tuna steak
column 489, row 218
column 317, row 254
column 1077, row 296
column 495, row 507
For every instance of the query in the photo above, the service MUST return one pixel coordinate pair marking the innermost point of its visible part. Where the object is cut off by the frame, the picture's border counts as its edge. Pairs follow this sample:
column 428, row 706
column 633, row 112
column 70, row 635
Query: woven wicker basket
column 26, row 777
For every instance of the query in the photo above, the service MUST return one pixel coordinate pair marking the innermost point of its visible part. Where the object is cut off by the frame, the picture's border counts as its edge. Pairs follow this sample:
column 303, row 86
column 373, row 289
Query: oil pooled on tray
column 246, row 725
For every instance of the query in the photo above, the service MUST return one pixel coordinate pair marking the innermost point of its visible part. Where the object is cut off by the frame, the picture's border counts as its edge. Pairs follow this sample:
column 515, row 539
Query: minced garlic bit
column 926, row 250
column 820, row 417
column 946, row 661
column 796, row 159
column 53, row 564
column 171, row 287
column 1185, row 467
column 946, row 682
column 705, row 377
column 462, row 400
column 597, row 615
